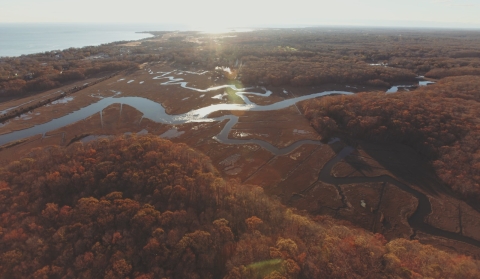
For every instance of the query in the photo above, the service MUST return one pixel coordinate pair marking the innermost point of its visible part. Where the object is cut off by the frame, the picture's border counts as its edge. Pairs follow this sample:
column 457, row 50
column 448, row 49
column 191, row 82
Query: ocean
column 26, row 38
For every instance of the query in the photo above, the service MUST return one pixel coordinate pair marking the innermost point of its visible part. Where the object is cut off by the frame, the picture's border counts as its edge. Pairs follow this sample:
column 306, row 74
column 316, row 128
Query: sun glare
column 212, row 28
column 213, row 22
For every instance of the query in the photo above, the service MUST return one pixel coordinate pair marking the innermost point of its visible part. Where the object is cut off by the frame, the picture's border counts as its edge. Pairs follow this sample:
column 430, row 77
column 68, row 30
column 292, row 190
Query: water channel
column 156, row 112
column 416, row 220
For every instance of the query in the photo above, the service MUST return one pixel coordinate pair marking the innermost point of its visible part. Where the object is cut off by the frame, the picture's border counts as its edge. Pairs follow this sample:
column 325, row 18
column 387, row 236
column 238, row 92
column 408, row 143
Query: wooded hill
column 439, row 121
column 143, row 207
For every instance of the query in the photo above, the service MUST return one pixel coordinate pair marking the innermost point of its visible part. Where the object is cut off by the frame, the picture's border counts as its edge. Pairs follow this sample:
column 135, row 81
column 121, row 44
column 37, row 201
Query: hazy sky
column 229, row 13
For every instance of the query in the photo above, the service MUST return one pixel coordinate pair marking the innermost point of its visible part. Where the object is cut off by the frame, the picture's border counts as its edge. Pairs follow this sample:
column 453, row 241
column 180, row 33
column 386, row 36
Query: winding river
column 416, row 220
column 156, row 112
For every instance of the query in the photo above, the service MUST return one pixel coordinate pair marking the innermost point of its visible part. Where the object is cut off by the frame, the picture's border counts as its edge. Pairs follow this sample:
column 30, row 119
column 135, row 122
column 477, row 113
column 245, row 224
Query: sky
column 211, row 14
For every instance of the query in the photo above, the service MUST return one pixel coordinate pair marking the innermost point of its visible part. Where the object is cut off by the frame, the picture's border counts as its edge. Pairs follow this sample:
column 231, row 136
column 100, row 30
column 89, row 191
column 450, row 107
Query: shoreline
column 24, row 39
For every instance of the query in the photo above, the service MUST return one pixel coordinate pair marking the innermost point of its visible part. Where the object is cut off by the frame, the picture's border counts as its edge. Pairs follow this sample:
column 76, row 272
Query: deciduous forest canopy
column 131, row 206
column 306, row 57
column 142, row 207
column 439, row 121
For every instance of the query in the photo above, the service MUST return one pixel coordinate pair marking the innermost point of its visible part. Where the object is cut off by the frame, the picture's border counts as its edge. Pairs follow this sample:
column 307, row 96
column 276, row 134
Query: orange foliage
column 439, row 121
column 188, row 223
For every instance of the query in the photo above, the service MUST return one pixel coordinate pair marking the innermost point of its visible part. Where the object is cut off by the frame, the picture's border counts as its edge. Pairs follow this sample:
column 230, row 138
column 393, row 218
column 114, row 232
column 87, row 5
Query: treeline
column 44, row 71
column 344, row 55
column 21, row 110
column 298, row 57
column 143, row 207
column 439, row 121
column 315, row 56
column 311, row 71
column 49, row 78
column 457, row 71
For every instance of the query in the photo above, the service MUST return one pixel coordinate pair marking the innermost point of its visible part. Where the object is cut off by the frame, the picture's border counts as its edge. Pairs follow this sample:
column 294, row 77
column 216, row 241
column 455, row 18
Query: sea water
column 27, row 38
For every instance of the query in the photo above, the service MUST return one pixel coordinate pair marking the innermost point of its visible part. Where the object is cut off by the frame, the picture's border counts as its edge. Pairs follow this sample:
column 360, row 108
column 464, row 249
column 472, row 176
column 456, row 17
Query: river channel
column 416, row 220
column 156, row 112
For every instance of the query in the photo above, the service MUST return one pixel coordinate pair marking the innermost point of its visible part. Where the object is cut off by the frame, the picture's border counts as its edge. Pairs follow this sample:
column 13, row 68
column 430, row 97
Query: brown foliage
column 147, row 208
column 300, row 57
column 458, row 71
column 439, row 121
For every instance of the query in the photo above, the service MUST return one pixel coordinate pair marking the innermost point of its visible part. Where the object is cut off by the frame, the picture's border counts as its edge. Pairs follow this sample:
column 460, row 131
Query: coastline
column 25, row 38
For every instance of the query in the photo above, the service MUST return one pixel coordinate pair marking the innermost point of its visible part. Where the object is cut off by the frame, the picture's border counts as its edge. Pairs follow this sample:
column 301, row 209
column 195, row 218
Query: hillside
column 143, row 207
column 439, row 121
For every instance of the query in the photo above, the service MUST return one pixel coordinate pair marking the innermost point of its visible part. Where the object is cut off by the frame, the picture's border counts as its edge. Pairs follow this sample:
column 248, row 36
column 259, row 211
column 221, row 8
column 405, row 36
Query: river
column 156, row 112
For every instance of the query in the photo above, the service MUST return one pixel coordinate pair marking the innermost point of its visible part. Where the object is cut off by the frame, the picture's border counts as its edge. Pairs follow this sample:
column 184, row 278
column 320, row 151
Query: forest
column 143, row 207
column 295, row 57
column 439, row 121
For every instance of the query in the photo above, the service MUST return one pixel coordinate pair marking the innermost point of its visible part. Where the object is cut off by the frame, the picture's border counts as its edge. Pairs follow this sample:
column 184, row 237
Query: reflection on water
column 425, row 83
column 22, row 104
column 143, row 132
column 63, row 100
column 156, row 112
column 4, row 124
column 395, row 88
